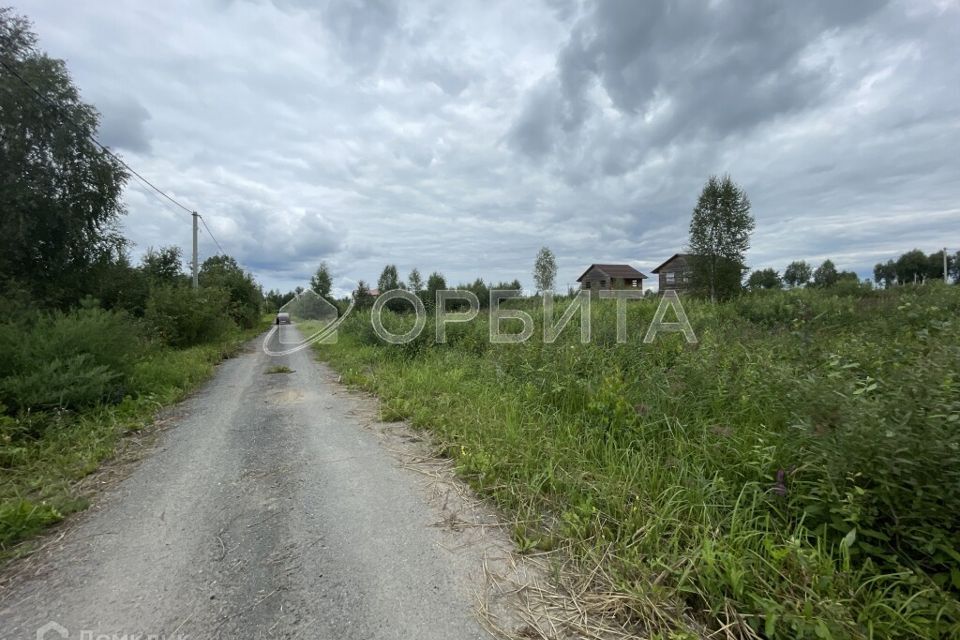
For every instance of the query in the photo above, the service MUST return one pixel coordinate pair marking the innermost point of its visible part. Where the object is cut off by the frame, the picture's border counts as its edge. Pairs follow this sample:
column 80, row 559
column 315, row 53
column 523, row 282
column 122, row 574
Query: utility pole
column 196, row 270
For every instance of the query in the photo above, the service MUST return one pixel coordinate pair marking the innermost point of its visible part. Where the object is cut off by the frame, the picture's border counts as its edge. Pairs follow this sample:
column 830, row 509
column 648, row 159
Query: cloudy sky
column 462, row 136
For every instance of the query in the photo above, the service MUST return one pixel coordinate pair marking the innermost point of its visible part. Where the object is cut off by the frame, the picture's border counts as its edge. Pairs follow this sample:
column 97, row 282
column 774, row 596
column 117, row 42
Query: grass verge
column 43, row 476
column 796, row 475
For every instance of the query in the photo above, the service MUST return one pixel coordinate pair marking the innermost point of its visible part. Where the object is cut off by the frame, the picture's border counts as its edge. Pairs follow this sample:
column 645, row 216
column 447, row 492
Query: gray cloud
column 123, row 124
column 683, row 70
column 461, row 137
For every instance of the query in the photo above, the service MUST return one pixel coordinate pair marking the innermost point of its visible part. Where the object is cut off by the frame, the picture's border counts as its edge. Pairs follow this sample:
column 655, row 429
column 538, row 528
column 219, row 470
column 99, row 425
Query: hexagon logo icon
column 308, row 318
column 52, row 630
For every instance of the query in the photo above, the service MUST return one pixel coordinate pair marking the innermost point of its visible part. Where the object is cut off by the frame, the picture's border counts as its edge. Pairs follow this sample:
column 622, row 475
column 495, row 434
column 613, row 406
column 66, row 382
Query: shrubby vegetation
column 90, row 344
column 794, row 475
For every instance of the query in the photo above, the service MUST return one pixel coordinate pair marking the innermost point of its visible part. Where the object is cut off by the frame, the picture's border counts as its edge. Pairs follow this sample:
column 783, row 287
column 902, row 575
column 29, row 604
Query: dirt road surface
column 271, row 509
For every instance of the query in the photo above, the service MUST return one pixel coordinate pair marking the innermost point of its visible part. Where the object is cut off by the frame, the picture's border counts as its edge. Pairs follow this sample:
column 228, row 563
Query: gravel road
column 271, row 509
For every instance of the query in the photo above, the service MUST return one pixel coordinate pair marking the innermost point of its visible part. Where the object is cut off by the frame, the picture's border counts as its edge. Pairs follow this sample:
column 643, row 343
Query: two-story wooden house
column 675, row 273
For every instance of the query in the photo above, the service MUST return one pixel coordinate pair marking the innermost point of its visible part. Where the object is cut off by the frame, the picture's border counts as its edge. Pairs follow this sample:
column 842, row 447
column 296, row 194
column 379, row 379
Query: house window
column 603, row 284
column 670, row 277
column 633, row 283
column 586, row 284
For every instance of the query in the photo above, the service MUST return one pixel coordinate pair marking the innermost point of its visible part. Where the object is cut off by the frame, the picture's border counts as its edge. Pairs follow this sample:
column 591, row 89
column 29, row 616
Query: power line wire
column 212, row 237
column 93, row 139
column 107, row 151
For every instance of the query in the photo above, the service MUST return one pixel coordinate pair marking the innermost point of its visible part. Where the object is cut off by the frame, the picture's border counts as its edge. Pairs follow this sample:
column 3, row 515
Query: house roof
column 614, row 271
column 671, row 259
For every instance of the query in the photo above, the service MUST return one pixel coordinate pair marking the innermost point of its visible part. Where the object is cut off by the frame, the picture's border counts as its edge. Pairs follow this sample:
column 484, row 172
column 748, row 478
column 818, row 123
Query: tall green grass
column 794, row 475
column 71, row 386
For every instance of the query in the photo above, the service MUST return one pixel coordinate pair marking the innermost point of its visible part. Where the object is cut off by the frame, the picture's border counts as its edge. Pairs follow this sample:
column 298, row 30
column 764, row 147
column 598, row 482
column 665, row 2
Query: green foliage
column 912, row 266
column 69, row 383
column 66, row 360
column 435, row 282
column 321, row 282
column 61, row 194
column 764, row 279
column 389, row 280
column 826, row 274
column 44, row 454
column 545, row 270
column 163, row 266
column 719, row 237
column 797, row 273
column 915, row 266
column 274, row 300
column 245, row 299
column 797, row 475
column 182, row 316
column 415, row 281
column 21, row 518
column 118, row 285
column 478, row 288
column 885, row 273
column 362, row 296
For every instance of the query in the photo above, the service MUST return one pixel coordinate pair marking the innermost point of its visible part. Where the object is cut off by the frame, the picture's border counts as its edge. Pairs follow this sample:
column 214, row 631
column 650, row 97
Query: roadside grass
column 44, row 456
column 794, row 475
column 278, row 368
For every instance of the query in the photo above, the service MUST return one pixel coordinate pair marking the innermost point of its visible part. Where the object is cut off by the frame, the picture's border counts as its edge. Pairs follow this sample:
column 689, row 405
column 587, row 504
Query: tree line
column 60, row 241
column 916, row 266
column 322, row 284
column 720, row 229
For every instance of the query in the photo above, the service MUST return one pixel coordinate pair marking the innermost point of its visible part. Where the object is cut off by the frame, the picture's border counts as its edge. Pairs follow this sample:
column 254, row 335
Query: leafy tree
column 545, row 270
column 321, row 281
column 274, row 300
column 415, row 281
column 885, row 273
column 435, row 282
column 361, row 295
column 163, row 265
column 61, row 194
column 826, row 274
column 764, row 279
column 935, row 265
column 389, row 280
column 954, row 267
column 479, row 288
column 720, row 236
column 848, row 276
column 244, row 296
column 912, row 266
column 797, row 273
column 515, row 285
column 183, row 316
column 117, row 284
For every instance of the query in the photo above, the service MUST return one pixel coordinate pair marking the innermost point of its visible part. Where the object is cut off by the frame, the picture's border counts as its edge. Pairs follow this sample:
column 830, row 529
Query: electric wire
column 92, row 138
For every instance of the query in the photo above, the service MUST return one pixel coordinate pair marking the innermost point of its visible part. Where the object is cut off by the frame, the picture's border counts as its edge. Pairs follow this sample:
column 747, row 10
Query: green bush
column 71, row 383
column 181, row 316
column 66, row 360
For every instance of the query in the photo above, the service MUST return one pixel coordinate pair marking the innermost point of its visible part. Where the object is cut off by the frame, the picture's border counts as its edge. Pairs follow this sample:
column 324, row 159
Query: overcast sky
column 462, row 136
